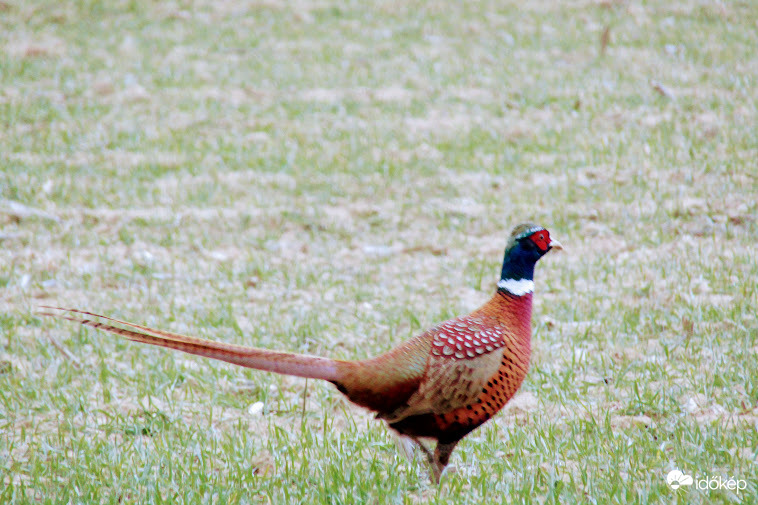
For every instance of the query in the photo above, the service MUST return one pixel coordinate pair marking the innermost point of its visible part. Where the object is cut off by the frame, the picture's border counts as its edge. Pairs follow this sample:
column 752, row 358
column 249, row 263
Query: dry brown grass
column 333, row 178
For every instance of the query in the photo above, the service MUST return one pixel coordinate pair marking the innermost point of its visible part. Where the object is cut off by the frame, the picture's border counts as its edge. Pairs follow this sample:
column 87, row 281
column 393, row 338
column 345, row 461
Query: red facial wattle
column 541, row 239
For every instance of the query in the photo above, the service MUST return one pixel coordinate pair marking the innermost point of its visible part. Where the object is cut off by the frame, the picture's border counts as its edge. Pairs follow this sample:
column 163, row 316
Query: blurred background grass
column 333, row 177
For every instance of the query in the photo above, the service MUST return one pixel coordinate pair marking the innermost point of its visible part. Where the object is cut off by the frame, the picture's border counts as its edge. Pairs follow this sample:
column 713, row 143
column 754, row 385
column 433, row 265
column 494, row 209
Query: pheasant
column 440, row 385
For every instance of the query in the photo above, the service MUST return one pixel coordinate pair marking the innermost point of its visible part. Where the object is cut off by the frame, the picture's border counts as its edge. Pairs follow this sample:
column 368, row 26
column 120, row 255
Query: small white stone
column 255, row 409
column 691, row 406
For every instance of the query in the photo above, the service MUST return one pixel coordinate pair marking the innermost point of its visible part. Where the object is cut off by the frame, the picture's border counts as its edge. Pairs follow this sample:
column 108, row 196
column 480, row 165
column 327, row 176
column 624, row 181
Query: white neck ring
column 518, row 287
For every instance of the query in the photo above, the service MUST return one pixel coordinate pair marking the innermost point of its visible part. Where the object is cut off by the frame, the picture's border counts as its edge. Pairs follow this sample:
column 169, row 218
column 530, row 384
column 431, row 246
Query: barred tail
column 300, row 365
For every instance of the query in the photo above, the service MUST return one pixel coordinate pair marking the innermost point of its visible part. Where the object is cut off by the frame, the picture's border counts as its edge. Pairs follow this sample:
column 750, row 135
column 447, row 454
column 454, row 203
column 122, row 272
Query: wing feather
column 466, row 352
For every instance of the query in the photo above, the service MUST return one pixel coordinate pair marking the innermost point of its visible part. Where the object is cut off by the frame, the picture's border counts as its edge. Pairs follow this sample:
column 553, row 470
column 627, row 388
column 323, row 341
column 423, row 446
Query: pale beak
column 554, row 244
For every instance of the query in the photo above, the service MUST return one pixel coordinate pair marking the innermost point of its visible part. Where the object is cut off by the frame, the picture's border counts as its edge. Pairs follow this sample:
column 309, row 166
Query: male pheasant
column 440, row 385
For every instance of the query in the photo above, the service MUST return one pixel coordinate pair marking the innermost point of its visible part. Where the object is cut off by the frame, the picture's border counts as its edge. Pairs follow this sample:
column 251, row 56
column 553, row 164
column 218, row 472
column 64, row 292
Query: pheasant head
column 527, row 244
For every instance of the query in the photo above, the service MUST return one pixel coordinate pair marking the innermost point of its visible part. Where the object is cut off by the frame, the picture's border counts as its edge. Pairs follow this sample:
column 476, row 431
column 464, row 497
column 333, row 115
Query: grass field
column 332, row 178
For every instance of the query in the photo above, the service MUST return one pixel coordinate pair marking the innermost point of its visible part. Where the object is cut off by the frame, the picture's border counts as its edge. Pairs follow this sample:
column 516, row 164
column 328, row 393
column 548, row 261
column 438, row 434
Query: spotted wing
column 466, row 352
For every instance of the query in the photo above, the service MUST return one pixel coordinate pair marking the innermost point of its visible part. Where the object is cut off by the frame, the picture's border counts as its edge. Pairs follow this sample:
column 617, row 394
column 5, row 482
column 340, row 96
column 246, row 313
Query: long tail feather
column 261, row 359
